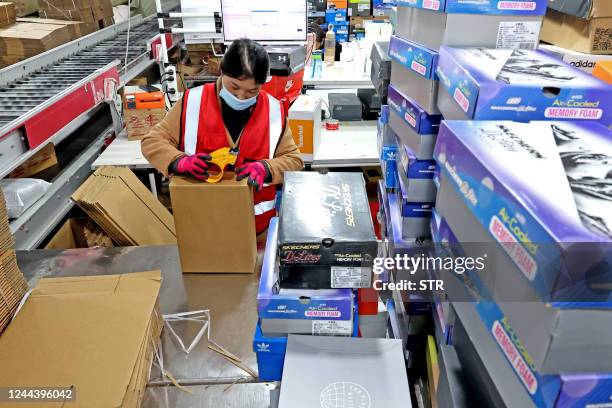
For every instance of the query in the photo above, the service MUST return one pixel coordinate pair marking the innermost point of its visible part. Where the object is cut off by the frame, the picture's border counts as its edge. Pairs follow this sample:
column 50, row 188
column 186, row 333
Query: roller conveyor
column 47, row 98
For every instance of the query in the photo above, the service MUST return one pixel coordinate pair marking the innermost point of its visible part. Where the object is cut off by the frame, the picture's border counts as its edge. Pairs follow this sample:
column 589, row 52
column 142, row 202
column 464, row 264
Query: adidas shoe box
column 492, row 23
column 518, row 85
column 326, row 233
column 413, row 126
column 413, row 72
column 542, row 283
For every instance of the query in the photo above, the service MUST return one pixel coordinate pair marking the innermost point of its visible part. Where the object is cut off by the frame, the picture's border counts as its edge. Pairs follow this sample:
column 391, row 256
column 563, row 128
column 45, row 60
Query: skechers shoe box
column 518, row 85
column 326, row 233
column 414, row 127
column 413, row 72
column 505, row 182
column 509, row 24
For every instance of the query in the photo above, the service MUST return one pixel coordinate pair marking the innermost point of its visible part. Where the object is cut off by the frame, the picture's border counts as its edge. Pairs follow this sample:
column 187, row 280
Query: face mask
column 235, row 103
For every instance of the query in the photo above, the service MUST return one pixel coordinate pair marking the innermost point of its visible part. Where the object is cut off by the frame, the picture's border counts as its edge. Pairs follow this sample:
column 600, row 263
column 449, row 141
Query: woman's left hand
column 256, row 172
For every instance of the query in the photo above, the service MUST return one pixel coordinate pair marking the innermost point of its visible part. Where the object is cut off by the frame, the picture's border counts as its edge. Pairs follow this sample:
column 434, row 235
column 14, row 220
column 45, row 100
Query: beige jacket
column 160, row 146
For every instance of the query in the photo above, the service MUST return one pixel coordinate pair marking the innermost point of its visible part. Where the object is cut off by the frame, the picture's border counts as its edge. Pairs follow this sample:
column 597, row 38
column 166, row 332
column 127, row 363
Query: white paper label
column 331, row 327
column 522, row 35
column 346, row 277
column 363, row 7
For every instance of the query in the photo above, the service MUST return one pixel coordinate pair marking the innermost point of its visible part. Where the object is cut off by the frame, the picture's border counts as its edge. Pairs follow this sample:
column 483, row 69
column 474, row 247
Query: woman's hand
column 195, row 166
column 256, row 172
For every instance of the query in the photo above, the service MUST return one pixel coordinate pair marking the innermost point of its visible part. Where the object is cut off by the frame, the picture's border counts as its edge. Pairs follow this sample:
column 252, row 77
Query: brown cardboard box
column 125, row 209
column 7, row 14
column 24, row 40
column 79, row 233
column 42, row 160
column 358, row 22
column 97, row 334
column 140, row 121
column 591, row 36
column 215, row 225
column 26, row 7
column 77, row 28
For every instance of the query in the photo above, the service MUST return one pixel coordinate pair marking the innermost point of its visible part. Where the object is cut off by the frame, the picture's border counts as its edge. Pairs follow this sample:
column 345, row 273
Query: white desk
column 338, row 76
column 354, row 144
column 126, row 153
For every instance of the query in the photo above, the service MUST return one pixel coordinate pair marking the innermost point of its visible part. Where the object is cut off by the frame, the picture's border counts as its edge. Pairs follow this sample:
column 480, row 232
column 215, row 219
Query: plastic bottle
column 330, row 45
column 317, row 64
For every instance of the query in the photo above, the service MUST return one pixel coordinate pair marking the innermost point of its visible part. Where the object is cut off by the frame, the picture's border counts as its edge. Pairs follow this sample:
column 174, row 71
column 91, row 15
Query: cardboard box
column 125, row 209
column 603, row 71
column 487, row 7
column 360, row 8
column 582, row 61
column 591, row 36
column 335, row 371
column 491, row 29
column 24, row 40
column 42, row 160
column 453, row 387
column 421, row 90
column 105, row 331
column 305, row 122
column 584, row 9
column 333, row 16
column 79, row 233
column 77, row 28
column 338, row 4
column 322, row 312
column 7, row 14
column 415, row 180
column 26, row 7
column 215, row 225
column 342, row 238
column 12, row 282
column 414, row 218
column 519, row 85
column 139, row 122
column 415, row 128
column 550, row 265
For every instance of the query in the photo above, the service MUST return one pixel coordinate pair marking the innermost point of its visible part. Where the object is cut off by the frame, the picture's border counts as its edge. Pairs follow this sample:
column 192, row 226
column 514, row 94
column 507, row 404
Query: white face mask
column 234, row 102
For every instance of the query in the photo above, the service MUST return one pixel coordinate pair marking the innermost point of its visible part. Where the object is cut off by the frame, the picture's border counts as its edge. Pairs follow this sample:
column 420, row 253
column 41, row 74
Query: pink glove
column 257, row 173
column 195, row 166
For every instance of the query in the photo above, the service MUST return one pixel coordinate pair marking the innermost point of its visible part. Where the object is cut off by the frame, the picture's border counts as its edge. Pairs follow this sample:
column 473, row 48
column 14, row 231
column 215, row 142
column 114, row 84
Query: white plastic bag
column 21, row 194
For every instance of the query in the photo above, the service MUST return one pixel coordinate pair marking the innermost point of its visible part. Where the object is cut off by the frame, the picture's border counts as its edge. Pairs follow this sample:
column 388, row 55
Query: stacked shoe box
column 532, row 197
column 381, row 69
column 318, row 252
column 338, row 20
column 519, row 85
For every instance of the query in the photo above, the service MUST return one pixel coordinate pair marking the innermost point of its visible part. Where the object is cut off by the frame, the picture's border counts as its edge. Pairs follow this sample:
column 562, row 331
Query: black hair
column 246, row 59
column 318, row 32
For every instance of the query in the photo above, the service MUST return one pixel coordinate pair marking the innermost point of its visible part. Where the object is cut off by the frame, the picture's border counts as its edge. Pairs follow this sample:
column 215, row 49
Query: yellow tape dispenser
column 221, row 159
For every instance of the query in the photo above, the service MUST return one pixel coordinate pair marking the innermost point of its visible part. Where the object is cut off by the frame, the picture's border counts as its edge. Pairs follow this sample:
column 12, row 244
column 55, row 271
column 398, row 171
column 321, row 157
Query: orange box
column 339, row 4
column 603, row 71
column 305, row 122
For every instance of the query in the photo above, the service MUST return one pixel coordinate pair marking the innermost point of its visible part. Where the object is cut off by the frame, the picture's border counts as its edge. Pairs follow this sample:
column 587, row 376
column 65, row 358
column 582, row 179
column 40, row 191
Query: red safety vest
column 203, row 131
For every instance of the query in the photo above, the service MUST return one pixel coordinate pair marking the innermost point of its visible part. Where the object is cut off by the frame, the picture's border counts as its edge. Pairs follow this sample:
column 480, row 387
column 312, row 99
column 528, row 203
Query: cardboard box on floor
column 125, row 209
column 590, row 35
column 79, row 233
column 42, row 160
column 101, row 333
column 215, row 225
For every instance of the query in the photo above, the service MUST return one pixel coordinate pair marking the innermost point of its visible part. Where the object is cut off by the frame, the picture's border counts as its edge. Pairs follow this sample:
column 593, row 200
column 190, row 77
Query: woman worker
column 235, row 112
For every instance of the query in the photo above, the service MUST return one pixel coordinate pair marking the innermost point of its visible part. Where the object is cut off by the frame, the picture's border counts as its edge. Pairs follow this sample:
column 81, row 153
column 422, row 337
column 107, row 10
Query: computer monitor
column 265, row 21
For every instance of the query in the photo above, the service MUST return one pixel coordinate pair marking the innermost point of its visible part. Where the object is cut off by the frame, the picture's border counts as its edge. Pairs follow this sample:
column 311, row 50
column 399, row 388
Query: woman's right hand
column 195, row 166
